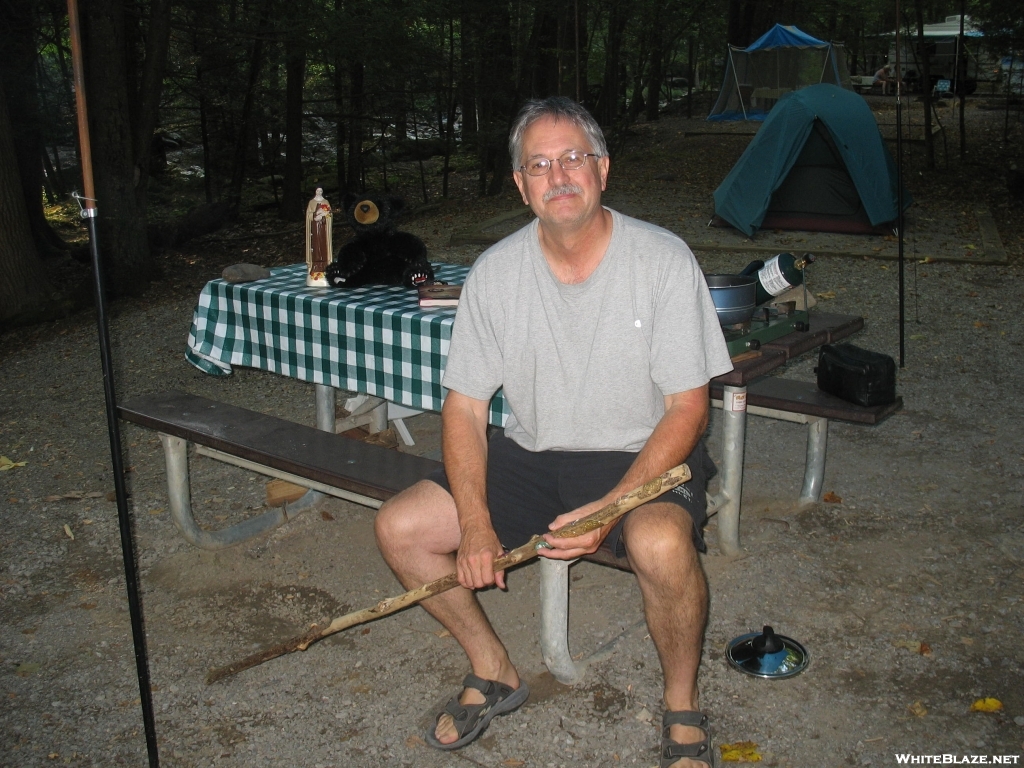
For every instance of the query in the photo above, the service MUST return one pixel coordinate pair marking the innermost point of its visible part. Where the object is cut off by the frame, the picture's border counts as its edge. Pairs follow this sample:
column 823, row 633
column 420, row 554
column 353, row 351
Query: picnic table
column 377, row 341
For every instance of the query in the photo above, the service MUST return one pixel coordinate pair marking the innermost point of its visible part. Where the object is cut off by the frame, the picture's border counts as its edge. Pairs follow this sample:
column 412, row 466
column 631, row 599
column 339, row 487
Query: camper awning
column 947, row 29
column 785, row 36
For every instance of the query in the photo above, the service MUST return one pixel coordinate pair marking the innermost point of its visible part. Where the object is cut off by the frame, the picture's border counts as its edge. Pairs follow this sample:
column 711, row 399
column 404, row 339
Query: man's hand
column 570, row 549
column 478, row 550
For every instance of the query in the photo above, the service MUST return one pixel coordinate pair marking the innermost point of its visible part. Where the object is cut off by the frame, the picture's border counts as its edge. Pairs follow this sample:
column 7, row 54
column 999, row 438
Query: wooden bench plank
column 824, row 328
column 747, row 370
column 805, row 397
column 367, row 470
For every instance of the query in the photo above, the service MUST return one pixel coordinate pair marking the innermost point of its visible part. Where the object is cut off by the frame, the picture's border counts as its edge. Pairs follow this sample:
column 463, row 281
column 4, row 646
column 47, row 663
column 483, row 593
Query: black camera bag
column 856, row 375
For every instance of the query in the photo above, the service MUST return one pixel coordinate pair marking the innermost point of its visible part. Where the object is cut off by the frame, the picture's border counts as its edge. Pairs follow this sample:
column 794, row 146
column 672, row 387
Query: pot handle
column 752, row 268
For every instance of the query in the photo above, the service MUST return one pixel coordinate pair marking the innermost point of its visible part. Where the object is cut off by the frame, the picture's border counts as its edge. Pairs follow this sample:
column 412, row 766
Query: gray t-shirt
column 585, row 367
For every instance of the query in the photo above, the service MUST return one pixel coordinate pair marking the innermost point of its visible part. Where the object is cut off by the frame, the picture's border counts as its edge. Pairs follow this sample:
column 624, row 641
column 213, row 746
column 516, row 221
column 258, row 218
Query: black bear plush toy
column 378, row 255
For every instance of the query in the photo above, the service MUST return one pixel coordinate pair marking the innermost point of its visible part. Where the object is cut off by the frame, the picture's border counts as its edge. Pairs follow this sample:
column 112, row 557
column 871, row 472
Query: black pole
column 89, row 213
column 123, row 518
column 899, row 179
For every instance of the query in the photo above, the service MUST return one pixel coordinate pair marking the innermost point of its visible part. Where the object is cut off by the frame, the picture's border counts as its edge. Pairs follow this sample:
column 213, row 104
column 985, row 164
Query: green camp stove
column 767, row 324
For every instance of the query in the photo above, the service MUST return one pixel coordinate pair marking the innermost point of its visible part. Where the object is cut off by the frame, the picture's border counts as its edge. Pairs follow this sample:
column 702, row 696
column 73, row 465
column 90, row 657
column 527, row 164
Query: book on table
column 439, row 295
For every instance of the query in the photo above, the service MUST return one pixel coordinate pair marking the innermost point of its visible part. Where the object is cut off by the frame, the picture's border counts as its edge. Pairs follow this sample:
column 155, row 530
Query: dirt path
column 907, row 594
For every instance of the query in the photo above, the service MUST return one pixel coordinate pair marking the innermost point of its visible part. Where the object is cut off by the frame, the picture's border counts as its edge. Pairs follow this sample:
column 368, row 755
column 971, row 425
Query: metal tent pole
column 899, row 180
column 89, row 213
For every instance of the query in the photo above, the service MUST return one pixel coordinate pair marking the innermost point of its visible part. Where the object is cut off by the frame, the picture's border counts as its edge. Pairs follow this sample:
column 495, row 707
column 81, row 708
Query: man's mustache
column 564, row 189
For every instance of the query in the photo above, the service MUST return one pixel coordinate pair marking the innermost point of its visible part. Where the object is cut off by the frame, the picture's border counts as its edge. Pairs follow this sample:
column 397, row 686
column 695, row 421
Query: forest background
column 272, row 96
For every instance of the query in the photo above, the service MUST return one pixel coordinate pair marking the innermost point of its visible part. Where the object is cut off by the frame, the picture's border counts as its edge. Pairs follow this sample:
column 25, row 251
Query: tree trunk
column 926, row 85
column 158, row 40
column 24, row 290
column 354, row 180
column 122, row 217
column 292, row 202
column 19, row 36
column 245, row 122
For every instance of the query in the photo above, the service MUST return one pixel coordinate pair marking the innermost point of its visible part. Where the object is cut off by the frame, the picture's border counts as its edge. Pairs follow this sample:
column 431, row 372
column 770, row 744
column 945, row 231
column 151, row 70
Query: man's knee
column 412, row 516
column 661, row 536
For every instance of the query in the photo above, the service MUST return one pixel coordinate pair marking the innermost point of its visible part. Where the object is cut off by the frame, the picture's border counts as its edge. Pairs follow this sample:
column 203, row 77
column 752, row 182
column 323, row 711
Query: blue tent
column 819, row 163
column 782, row 60
column 785, row 36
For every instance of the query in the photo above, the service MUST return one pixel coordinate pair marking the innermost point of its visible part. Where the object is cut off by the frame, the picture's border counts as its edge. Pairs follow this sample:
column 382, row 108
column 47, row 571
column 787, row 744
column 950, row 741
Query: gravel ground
column 907, row 593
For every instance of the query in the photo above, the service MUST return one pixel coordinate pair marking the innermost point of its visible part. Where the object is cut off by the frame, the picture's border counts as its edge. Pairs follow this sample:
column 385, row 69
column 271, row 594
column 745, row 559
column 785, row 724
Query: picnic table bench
column 368, row 474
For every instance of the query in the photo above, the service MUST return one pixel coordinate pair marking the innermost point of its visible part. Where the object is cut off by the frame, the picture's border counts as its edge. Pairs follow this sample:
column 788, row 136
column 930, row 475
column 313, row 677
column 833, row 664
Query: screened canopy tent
column 818, row 164
column 782, row 60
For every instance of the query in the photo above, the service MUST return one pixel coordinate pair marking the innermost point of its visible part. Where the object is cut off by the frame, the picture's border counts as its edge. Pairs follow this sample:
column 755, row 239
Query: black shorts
column 526, row 490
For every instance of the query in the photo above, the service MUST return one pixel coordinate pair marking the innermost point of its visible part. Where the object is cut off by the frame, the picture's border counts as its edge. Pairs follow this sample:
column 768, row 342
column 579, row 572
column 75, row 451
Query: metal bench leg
column 176, row 455
column 814, row 469
column 727, row 501
column 554, row 620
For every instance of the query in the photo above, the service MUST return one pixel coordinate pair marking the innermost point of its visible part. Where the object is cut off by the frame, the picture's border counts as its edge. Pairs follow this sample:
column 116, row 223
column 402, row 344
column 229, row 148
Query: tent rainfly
column 819, row 163
column 782, row 60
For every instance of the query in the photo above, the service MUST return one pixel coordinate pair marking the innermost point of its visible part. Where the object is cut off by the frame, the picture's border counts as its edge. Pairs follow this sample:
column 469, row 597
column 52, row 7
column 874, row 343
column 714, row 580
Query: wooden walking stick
column 527, row 551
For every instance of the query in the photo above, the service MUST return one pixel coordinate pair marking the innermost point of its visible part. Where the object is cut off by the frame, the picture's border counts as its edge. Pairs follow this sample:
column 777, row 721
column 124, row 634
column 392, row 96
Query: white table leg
column 814, row 469
column 554, row 620
column 734, row 426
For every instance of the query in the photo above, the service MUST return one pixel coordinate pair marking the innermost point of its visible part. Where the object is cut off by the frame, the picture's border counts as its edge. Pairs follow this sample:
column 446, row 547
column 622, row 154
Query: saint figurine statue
column 318, row 240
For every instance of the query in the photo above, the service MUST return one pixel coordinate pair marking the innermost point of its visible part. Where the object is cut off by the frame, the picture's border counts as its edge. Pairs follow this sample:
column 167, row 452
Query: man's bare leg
column 659, row 544
column 418, row 535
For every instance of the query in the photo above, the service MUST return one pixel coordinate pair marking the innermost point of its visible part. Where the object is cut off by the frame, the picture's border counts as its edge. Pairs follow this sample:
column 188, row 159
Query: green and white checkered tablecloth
column 374, row 339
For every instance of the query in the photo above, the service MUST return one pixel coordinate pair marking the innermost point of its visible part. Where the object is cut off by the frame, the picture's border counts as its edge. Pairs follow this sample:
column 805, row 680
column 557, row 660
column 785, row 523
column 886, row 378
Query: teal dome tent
column 819, row 164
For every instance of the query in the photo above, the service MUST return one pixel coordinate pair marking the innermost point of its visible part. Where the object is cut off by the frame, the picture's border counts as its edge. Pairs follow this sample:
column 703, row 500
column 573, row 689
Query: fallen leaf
column 415, row 741
column 979, row 324
column 927, row 260
column 87, row 606
column 740, row 752
column 915, row 646
column 971, row 247
column 826, row 295
column 832, row 498
column 95, row 495
column 918, row 337
column 156, row 511
column 513, row 763
column 326, row 515
column 112, row 496
column 68, row 533
column 52, row 498
column 972, row 294
column 6, row 464
column 987, row 705
column 917, row 709
column 443, row 633
column 365, row 631
column 967, row 640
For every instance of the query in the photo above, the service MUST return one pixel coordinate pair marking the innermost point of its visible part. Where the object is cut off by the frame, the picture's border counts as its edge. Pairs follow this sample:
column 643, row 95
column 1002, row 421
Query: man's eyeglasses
column 570, row 161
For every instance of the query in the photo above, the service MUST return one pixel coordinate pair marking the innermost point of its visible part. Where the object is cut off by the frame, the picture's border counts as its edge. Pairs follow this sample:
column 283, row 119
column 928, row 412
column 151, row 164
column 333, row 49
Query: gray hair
column 559, row 108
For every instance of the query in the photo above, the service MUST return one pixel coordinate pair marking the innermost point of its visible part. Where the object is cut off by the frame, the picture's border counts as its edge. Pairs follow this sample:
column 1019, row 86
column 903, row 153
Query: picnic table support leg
column 180, row 496
column 324, row 407
column 554, row 620
column 325, row 421
column 734, row 425
column 814, row 470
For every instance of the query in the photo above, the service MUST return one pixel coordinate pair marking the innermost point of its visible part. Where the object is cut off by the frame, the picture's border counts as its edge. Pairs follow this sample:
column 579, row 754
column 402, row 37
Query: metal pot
column 734, row 297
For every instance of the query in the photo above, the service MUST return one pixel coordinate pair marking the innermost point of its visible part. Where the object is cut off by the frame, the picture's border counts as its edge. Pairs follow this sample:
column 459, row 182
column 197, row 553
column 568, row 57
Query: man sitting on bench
column 602, row 332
